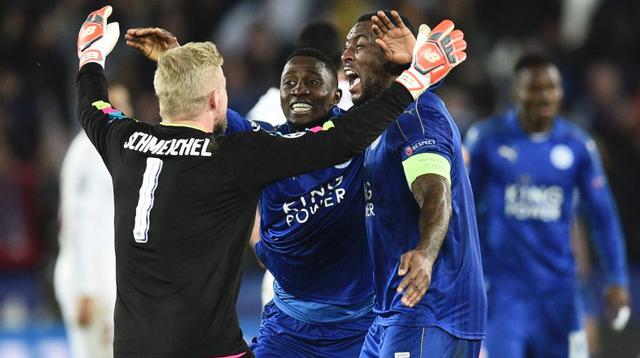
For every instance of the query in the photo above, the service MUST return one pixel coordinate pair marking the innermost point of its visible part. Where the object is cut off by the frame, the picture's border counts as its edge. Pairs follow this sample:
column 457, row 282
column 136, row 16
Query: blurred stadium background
column 596, row 43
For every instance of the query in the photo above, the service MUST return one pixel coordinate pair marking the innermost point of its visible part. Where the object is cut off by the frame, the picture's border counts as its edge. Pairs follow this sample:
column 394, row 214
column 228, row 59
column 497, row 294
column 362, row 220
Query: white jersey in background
column 85, row 267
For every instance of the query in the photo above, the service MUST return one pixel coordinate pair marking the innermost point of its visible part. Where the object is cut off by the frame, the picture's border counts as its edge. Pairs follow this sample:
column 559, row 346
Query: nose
column 300, row 89
column 347, row 55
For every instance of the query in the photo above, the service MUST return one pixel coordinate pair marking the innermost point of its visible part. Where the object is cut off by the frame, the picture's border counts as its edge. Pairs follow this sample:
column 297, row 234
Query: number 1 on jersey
column 145, row 199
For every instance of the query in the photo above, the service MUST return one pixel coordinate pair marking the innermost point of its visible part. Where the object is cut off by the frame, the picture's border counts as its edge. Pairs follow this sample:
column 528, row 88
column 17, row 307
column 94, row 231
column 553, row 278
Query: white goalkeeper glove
column 96, row 39
column 434, row 55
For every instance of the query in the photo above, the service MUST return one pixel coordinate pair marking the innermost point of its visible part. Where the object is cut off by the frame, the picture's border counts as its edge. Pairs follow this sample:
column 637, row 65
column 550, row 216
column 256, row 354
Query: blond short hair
column 184, row 78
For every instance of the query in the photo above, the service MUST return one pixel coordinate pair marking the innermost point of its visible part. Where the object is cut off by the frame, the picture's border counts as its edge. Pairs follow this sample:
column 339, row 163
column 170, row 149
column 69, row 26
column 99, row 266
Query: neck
column 203, row 122
column 302, row 126
column 534, row 125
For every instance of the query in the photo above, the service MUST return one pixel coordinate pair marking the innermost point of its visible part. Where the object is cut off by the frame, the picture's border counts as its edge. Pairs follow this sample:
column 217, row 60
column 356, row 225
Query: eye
column 315, row 82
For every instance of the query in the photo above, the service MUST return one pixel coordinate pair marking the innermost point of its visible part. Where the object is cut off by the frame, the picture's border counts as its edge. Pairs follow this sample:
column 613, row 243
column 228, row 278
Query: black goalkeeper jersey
column 184, row 207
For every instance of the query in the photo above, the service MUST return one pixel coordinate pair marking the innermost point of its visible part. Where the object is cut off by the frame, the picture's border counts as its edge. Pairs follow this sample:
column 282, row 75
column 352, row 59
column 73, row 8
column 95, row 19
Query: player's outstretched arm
column 151, row 41
column 95, row 41
column 433, row 194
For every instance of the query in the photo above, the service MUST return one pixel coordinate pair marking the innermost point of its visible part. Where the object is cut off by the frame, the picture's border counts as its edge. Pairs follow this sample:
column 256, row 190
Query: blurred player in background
column 185, row 194
column 85, row 273
column 525, row 167
column 322, row 36
column 420, row 218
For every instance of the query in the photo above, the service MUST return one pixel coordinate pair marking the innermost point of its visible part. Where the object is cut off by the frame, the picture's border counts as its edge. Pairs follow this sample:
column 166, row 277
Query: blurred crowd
column 595, row 42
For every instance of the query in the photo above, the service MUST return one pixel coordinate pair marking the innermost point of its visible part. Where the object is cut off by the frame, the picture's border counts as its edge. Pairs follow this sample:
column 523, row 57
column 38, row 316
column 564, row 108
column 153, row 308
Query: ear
column 337, row 95
column 213, row 100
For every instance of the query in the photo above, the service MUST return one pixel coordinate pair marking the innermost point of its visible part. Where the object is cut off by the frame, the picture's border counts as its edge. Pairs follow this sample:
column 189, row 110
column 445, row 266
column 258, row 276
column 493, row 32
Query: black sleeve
column 105, row 126
column 260, row 158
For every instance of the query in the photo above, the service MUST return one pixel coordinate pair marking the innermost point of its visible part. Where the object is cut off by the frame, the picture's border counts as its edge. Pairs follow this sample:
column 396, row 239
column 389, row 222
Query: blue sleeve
column 599, row 207
column 425, row 129
column 237, row 124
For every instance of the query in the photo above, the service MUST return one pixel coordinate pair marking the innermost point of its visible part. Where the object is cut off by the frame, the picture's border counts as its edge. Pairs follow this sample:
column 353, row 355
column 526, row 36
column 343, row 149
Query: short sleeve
column 425, row 142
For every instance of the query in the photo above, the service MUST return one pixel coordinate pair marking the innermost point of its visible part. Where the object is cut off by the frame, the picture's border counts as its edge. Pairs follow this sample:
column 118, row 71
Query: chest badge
column 508, row 153
column 561, row 157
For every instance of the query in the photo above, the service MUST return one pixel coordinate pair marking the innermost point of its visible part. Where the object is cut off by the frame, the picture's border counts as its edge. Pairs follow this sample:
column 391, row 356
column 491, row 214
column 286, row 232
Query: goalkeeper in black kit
column 185, row 196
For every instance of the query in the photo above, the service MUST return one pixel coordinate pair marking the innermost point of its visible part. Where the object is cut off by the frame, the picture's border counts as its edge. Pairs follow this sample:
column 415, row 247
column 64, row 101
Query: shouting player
column 430, row 296
column 185, row 196
column 525, row 167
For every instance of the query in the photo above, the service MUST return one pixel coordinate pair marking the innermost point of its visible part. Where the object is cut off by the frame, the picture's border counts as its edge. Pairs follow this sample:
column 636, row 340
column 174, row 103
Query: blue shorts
column 416, row 342
column 534, row 326
column 281, row 335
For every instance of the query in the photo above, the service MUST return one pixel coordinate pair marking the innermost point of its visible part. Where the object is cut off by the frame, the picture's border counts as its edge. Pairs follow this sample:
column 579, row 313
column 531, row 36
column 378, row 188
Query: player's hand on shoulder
column 415, row 267
column 151, row 41
column 394, row 37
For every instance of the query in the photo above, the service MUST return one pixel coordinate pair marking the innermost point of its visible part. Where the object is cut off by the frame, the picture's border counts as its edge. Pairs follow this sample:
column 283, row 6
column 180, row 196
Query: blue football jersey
column 456, row 299
column 313, row 237
column 525, row 187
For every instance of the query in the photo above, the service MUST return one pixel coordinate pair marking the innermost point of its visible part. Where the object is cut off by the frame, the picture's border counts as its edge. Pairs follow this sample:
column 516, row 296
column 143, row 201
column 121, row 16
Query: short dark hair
column 318, row 55
column 322, row 36
column 531, row 60
column 391, row 68
column 407, row 23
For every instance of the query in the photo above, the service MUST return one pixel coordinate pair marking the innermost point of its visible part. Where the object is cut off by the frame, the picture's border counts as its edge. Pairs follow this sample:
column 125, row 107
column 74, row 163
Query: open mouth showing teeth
column 352, row 76
column 300, row 107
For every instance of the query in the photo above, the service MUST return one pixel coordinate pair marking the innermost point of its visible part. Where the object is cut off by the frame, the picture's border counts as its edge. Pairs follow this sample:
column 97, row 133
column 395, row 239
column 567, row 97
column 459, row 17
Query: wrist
column 428, row 257
column 414, row 82
column 91, row 56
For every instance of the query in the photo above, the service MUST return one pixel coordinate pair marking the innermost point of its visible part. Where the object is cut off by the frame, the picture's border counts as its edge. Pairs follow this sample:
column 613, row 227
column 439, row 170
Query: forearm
column 91, row 87
column 435, row 212
column 606, row 234
column 612, row 254
column 275, row 157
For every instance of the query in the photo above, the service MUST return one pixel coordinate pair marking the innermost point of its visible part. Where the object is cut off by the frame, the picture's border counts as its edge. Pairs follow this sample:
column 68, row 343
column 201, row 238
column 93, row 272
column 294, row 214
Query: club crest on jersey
column 561, row 157
column 255, row 127
column 508, row 153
